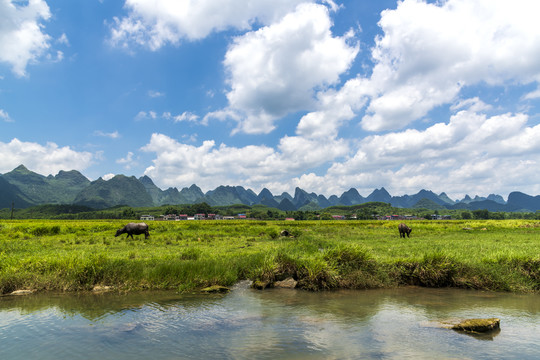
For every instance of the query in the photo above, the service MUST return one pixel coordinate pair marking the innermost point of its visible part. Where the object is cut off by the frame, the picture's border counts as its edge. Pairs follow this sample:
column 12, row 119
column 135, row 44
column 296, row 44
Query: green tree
column 171, row 210
column 201, row 208
column 481, row 214
column 259, row 214
column 326, row 216
column 129, row 213
column 364, row 214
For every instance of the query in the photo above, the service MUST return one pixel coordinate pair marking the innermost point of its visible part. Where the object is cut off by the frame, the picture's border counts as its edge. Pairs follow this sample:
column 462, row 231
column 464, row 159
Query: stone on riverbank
column 288, row 283
column 21, row 292
column 102, row 288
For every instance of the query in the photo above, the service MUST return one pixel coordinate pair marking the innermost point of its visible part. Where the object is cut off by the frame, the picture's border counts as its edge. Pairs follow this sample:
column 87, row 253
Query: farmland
column 77, row 255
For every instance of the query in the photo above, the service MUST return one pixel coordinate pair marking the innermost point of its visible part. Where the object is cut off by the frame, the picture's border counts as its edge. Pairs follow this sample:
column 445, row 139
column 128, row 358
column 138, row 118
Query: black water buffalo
column 404, row 229
column 134, row 228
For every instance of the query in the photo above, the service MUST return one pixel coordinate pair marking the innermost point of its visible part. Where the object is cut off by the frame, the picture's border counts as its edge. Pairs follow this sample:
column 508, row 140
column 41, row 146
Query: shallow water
column 270, row 324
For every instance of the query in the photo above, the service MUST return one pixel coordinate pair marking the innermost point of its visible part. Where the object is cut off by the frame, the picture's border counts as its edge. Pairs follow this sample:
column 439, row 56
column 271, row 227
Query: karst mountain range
column 24, row 188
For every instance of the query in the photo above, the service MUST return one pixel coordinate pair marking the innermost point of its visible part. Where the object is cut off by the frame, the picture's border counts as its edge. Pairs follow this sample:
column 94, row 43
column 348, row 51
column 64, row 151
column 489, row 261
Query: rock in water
column 478, row 325
column 215, row 289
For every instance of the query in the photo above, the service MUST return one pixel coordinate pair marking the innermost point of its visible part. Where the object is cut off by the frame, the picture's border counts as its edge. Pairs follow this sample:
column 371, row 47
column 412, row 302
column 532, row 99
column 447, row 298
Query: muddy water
column 270, row 324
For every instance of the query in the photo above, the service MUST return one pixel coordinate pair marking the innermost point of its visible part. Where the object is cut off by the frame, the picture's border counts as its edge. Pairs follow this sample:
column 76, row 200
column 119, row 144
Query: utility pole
column 12, row 206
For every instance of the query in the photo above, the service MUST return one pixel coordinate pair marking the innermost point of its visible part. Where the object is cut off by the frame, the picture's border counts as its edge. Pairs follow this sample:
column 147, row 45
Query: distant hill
column 350, row 197
column 120, row 190
column 518, row 201
column 425, row 203
column 10, row 194
column 26, row 188
column 230, row 195
column 38, row 189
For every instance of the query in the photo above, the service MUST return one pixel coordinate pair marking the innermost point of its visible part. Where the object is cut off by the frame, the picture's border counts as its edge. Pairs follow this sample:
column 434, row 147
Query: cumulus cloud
column 426, row 56
column 43, row 159
column 275, row 70
column 209, row 165
column 429, row 52
column 154, row 23
column 472, row 152
column 336, row 107
column 22, row 40
column 472, row 148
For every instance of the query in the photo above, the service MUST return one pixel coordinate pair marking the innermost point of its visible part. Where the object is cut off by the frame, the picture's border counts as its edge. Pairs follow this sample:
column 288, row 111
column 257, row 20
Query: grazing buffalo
column 134, row 228
column 404, row 229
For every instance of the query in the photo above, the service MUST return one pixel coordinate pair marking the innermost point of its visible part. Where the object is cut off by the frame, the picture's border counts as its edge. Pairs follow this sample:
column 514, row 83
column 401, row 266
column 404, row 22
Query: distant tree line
column 367, row 211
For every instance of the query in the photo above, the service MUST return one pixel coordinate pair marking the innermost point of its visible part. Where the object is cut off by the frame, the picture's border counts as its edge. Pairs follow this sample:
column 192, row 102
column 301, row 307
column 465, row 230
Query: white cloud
column 112, row 135
column 146, row 115
column 155, row 94
column 5, row 116
column 155, row 23
column 185, row 116
column 472, row 104
column 429, row 52
column 22, row 40
column 208, row 165
column 472, row 153
column 108, row 177
column 48, row 159
column 127, row 161
column 63, row 39
column 275, row 70
column 336, row 107
column 222, row 115
column 533, row 95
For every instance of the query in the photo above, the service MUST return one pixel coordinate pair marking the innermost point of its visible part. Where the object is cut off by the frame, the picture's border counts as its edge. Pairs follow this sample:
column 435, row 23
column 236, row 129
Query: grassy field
column 79, row 255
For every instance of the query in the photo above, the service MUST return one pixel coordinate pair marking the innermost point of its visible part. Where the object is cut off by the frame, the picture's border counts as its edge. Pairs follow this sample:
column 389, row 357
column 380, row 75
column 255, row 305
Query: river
column 271, row 324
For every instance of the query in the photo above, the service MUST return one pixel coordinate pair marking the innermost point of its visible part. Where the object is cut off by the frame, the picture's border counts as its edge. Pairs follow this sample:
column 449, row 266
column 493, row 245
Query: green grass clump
column 77, row 255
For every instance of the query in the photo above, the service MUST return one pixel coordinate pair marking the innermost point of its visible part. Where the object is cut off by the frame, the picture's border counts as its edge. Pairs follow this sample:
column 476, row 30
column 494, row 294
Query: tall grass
column 320, row 255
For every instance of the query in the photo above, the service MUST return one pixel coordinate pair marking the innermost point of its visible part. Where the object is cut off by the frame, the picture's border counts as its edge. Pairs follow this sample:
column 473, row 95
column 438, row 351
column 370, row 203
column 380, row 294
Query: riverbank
column 320, row 255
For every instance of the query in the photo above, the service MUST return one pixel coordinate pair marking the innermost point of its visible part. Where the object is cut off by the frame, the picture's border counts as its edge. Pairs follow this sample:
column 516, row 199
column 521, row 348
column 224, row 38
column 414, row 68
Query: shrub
column 46, row 230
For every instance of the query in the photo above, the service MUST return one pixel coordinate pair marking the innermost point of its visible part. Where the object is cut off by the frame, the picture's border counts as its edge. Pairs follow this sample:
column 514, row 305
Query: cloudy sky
column 325, row 95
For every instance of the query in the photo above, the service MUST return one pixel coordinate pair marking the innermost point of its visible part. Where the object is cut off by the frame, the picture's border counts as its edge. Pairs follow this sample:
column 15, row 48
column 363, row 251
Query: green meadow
column 74, row 255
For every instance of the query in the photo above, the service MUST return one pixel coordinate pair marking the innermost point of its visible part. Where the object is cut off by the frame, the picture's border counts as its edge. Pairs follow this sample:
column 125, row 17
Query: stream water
column 271, row 324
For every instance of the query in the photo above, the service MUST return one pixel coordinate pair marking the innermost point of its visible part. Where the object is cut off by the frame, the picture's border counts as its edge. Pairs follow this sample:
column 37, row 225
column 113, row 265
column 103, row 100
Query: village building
column 199, row 217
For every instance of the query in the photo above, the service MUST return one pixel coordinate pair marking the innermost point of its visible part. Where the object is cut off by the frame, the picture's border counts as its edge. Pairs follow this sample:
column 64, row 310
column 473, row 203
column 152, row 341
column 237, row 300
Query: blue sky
column 324, row 95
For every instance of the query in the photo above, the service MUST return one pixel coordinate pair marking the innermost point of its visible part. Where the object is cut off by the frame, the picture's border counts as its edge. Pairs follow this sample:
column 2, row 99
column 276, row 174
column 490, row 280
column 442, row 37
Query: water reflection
column 268, row 324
